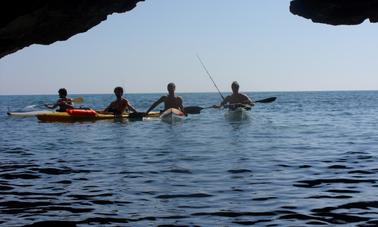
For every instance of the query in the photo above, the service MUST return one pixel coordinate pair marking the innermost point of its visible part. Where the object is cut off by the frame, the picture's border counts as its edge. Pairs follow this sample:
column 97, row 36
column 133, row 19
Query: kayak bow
column 237, row 112
column 172, row 116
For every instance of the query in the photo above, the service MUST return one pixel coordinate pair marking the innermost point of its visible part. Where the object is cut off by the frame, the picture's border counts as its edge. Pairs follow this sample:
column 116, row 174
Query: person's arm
column 68, row 104
column 131, row 107
column 155, row 104
column 224, row 102
column 107, row 109
column 247, row 101
column 180, row 105
column 52, row 106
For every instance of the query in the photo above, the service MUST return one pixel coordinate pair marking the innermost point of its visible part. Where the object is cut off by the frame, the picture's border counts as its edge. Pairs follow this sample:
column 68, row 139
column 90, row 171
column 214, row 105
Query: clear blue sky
column 258, row 43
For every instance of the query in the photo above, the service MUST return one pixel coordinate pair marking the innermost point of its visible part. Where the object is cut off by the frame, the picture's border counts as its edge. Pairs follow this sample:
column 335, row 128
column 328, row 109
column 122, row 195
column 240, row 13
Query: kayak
column 29, row 114
column 172, row 116
column 237, row 112
column 89, row 115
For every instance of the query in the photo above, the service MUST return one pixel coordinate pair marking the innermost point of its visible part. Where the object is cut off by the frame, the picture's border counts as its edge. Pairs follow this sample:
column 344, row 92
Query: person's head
column 235, row 87
column 171, row 87
column 62, row 93
column 118, row 91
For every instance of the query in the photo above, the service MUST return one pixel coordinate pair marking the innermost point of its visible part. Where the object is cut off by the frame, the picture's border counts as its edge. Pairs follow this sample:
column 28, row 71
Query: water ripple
column 304, row 160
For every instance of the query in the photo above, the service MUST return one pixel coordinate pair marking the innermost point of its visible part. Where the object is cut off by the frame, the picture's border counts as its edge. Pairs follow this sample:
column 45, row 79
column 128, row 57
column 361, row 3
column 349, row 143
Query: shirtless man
column 170, row 100
column 236, row 98
column 120, row 104
column 63, row 102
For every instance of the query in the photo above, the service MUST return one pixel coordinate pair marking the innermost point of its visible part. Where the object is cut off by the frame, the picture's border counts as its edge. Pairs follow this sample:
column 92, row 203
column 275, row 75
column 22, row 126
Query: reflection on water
column 307, row 159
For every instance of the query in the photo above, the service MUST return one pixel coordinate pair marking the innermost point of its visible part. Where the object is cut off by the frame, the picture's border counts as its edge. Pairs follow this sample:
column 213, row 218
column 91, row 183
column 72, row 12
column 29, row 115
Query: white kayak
column 29, row 114
column 172, row 116
column 237, row 113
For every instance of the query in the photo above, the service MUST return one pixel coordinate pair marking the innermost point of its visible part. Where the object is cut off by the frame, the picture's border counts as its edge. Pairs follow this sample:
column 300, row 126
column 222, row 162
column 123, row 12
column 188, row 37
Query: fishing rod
column 211, row 78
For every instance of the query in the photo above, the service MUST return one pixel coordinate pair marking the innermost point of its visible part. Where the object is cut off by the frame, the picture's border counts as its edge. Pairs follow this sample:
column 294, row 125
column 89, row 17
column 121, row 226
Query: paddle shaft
column 198, row 109
column 74, row 100
column 208, row 73
column 78, row 100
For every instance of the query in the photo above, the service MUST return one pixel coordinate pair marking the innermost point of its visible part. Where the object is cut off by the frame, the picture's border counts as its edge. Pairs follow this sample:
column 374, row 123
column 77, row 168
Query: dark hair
column 62, row 91
column 171, row 85
column 118, row 89
column 235, row 84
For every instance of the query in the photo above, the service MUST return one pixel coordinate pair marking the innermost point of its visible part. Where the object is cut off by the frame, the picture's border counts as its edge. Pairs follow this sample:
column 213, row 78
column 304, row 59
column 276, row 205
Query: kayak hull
column 237, row 114
column 66, row 117
column 172, row 116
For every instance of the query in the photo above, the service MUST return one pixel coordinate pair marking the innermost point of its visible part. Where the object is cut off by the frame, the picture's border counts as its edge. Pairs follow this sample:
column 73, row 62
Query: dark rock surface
column 23, row 22
column 336, row 12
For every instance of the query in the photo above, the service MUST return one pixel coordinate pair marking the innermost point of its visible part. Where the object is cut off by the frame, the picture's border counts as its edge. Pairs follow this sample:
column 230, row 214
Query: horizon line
column 197, row 92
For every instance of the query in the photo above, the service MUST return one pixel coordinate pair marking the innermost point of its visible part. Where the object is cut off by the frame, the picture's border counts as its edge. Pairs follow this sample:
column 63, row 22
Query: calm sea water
column 310, row 158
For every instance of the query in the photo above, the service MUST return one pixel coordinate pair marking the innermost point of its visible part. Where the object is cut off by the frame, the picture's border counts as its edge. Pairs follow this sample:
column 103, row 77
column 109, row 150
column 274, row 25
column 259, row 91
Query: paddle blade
column 78, row 100
column 268, row 100
column 193, row 109
column 136, row 115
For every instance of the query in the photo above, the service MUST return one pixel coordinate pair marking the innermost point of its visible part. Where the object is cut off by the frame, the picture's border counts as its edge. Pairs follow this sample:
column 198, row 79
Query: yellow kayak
column 89, row 116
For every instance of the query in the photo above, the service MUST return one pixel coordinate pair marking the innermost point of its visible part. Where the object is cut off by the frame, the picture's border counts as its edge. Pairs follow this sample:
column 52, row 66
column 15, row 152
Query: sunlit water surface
column 309, row 158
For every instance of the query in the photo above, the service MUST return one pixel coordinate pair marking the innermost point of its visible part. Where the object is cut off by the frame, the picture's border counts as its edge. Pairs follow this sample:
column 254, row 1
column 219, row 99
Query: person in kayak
column 236, row 98
column 121, row 104
column 170, row 100
column 63, row 102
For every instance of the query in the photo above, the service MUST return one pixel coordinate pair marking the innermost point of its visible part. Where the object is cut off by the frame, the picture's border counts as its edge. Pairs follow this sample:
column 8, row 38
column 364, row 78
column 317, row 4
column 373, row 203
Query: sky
column 258, row 43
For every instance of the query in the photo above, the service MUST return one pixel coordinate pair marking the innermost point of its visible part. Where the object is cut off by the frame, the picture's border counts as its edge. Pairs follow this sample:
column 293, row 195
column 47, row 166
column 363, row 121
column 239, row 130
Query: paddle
column 75, row 100
column 136, row 116
column 78, row 100
column 238, row 105
column 198, row 109
column 194, row 109
column 267, row 100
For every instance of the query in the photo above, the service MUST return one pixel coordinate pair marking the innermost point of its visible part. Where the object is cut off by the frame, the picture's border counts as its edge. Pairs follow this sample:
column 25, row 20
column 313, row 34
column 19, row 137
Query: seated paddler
column 171, row 100
column 64, row 103
column 121, row 104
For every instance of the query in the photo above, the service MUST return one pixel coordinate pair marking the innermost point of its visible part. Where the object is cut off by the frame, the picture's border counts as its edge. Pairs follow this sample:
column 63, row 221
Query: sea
column 307, row 159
